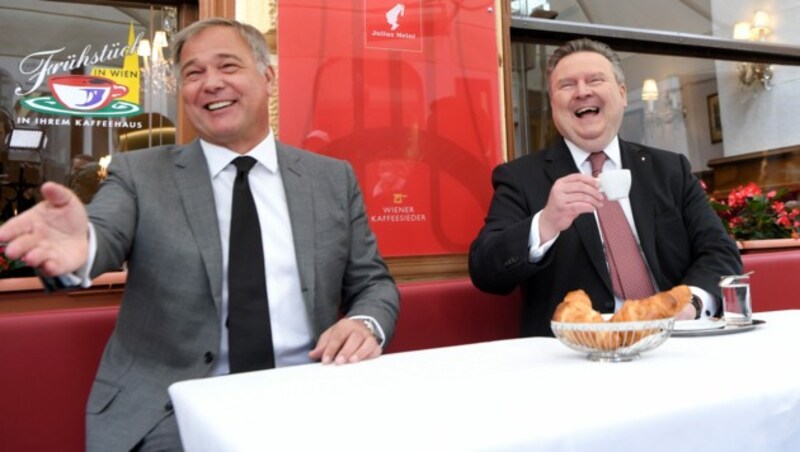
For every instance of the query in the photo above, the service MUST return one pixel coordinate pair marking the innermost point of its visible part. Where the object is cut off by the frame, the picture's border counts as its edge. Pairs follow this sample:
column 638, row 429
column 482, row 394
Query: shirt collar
column 218, row 157
column 612, row 152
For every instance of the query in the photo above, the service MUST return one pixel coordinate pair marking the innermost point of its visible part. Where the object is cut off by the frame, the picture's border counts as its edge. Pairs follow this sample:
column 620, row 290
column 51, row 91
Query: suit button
column 208, row 357
column 609, row 305
column 168, row 406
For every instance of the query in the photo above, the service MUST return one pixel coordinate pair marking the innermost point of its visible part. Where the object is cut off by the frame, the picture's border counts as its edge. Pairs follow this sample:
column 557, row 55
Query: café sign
column 104, row 92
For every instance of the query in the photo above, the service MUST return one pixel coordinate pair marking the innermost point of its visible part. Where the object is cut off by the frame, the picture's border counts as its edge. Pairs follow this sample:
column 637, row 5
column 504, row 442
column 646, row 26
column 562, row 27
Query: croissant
column 577, row 308
column 659, row 306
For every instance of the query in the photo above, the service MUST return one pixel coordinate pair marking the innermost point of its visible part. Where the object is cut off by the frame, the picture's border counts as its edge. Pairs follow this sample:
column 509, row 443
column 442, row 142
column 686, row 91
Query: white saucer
column 708, row 323
column 717, row 331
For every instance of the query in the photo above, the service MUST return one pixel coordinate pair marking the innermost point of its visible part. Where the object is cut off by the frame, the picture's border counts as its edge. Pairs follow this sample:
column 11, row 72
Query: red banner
column 409, row 94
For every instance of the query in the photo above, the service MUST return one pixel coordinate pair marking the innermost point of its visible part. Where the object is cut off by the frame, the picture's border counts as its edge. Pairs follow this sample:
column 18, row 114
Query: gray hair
column 585, row 45
column 249, row 33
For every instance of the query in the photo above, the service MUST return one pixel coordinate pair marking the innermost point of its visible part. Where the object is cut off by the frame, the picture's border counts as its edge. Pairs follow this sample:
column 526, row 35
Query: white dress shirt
column 292, row 332
column 613, row 161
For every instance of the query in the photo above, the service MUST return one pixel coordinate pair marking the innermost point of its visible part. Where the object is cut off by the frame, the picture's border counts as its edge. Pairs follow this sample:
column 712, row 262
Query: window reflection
column 84, row 176
column 74, row 73
column 731, row 117
column 700, row 110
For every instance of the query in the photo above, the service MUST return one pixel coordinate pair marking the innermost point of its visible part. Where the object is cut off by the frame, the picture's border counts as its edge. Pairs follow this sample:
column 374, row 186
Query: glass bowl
column 614, row 341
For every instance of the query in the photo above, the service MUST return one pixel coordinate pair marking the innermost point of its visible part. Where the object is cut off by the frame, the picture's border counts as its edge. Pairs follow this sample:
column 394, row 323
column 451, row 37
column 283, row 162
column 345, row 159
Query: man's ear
column 269, row 74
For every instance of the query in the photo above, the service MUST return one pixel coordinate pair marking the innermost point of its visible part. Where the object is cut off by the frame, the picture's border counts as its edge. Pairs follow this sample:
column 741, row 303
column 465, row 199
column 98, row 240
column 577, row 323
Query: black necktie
column 249, row 331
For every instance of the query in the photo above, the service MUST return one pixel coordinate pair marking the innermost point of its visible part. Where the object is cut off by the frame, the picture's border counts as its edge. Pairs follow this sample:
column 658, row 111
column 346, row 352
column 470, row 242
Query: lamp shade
column 649, row 90
column 761, row 20
column 144, row 48
column 160, row 39
column 741, row 31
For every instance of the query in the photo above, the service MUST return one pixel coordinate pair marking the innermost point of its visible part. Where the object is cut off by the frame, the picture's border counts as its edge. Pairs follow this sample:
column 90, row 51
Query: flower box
column 765, row 245
column 750, row 215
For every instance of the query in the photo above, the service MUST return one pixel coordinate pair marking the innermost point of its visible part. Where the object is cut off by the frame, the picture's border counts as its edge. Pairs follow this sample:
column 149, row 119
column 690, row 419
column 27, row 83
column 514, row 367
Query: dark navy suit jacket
column 682, row 238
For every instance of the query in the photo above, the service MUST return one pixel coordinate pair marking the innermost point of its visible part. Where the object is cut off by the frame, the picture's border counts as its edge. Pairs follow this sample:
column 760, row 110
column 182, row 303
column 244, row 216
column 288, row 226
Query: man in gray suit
column 166, row 212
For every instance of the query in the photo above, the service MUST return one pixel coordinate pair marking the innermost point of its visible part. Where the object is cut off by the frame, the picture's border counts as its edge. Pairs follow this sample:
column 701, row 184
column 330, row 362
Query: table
column 728, row 392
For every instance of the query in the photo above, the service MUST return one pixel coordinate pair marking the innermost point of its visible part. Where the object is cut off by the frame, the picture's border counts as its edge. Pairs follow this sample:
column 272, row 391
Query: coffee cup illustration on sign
column 85, row 92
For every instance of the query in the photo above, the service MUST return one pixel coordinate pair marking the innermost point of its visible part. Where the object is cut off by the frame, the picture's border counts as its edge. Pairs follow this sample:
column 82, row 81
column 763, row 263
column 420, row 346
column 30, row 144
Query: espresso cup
column 615, row 184
column 85, row 92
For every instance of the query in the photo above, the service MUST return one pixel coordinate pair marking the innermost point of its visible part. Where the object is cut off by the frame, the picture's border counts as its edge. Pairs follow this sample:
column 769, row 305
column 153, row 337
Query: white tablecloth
column 726, row 393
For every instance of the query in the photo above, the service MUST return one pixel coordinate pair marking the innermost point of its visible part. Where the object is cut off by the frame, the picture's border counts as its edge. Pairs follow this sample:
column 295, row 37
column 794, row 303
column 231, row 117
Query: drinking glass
column 736, row 299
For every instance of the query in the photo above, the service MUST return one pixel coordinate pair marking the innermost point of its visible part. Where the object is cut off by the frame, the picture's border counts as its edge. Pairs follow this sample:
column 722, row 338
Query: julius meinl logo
column 393, row 19
column 106, row 92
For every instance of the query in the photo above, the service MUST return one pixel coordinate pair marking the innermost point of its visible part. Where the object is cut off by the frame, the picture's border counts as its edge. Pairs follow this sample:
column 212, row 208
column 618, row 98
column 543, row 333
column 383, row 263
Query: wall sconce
column 650, row 93
column 668, row 109
column 157, row 70
column 754, row 74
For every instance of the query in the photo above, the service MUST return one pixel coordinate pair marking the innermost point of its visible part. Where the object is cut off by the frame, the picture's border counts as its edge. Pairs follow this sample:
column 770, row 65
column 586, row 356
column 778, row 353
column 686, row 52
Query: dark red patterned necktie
column 629, row 275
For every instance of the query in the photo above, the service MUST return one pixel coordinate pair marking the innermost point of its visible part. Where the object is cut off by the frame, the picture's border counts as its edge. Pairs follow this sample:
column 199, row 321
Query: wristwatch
column 698, row 306
column 373, row 330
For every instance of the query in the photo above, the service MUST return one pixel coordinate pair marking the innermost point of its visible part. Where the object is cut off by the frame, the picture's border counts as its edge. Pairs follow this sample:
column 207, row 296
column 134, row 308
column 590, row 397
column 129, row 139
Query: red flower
column 751, row 189
column 748, row 213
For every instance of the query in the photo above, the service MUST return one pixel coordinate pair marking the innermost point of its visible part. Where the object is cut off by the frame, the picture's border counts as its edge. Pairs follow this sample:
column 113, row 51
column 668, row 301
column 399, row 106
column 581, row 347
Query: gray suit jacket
column 156, row 212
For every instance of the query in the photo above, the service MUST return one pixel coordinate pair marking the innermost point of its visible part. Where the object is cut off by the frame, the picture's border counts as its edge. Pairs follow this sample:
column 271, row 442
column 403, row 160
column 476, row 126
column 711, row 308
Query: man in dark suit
column 541, row 233
column 166, row 212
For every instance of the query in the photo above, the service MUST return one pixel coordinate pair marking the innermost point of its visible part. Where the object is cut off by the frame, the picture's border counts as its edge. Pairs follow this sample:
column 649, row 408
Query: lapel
column 300, row 199
column 559, row 163
column 637, row 159
column 194, row 186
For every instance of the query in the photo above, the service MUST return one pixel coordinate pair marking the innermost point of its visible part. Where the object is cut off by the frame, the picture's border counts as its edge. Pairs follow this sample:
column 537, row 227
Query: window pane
column 702, row 17
column 705, row 109
column 79, row 83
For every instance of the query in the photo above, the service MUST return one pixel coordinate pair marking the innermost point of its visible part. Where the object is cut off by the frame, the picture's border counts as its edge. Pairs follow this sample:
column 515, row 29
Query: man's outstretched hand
column 51, row 236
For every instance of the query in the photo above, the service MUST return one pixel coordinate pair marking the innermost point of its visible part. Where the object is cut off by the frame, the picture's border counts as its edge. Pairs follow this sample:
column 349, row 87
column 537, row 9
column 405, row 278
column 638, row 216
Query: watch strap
column 373, row 330
column 698, row 306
